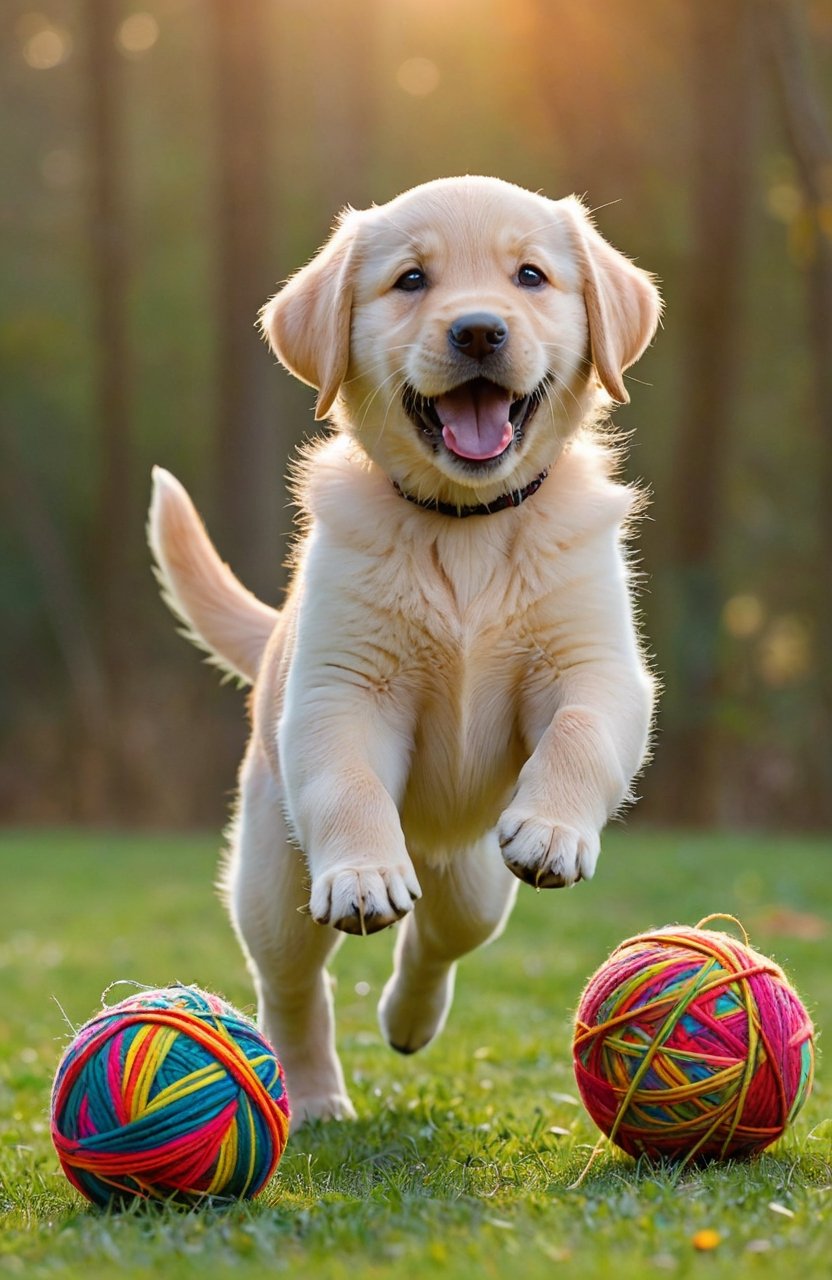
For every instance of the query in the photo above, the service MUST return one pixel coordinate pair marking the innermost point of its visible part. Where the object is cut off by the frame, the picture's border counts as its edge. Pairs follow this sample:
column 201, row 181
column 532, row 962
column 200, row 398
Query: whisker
column 571, row 351
column 394, row 395
column 548, row 389
column 398, row 384
column 551, row 390
column 367, row 403
column 568, row 389
column 380, row 361
column 543, row 226
column 598, row 207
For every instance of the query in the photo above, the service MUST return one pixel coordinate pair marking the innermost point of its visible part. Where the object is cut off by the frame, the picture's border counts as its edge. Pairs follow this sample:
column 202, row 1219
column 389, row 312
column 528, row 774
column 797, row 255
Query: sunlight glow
column 44, row 45
column 137, row 34
column 742, row 616
column 418, row 76
column 785, row 654
column 784, row 201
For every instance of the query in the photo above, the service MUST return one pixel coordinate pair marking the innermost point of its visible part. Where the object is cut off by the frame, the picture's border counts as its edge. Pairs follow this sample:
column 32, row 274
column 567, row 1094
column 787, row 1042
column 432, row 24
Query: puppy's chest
column 472, row 638
column 469, row 623
column 466, row 729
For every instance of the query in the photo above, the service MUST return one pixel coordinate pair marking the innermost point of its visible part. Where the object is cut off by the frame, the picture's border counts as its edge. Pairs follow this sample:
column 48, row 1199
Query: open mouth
column 477, row 422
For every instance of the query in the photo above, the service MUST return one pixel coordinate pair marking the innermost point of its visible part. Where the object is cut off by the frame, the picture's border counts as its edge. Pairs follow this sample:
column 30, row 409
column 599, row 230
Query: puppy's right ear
column 308, row 322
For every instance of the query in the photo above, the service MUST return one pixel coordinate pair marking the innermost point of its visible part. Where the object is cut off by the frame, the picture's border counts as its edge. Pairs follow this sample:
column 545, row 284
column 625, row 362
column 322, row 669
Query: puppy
column 453, row 697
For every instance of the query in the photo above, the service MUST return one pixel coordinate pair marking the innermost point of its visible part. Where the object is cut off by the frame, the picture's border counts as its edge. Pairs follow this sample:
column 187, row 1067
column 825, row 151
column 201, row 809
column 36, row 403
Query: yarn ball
column 689, row 1045
column 171, row 1094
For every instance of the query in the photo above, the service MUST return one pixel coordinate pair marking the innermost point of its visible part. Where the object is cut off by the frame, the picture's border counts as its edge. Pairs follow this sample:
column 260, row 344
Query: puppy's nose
column 478, row 334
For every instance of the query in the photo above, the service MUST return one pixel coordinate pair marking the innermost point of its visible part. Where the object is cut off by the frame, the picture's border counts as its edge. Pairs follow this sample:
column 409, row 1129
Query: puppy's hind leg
column 463, row 905
column 268, row 894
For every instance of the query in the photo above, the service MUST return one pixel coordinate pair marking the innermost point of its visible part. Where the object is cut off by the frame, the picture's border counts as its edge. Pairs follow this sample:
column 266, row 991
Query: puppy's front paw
column 546, row 854
column 363, row 899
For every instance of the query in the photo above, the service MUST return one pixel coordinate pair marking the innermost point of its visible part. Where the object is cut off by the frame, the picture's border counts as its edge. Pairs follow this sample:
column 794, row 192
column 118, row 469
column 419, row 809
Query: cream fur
column 440, row 703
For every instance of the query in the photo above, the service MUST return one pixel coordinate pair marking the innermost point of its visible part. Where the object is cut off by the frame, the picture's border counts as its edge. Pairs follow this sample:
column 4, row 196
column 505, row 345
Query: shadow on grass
column 405, row 1158
column 411, row 1151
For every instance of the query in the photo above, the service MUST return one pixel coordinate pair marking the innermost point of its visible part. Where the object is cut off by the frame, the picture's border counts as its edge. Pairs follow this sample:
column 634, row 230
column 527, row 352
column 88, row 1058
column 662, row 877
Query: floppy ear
column 308, row 322
column 622, row 304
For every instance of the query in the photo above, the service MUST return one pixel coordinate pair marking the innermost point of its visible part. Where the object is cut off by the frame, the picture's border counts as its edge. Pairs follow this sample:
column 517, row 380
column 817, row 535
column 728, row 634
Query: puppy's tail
column 219, row 614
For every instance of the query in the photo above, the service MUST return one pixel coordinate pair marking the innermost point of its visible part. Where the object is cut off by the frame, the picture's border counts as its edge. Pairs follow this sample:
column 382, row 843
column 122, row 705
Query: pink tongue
column 475, row 421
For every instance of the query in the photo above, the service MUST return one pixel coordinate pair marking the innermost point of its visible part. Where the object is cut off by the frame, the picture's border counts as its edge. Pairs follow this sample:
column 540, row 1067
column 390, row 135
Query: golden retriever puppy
column 453, row 695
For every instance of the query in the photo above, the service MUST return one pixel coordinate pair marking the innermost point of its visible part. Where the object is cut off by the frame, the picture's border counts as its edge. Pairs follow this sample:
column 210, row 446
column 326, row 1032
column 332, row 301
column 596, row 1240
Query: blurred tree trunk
column 249, row 471
column 721, row 99
column 591, row 157
column 810, row 141
column 116, row 519
column 89, row 720
column 114, row 523
column 343, row 86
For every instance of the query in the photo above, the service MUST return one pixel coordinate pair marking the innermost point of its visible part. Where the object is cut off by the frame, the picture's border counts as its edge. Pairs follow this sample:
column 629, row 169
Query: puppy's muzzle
column 478, row 334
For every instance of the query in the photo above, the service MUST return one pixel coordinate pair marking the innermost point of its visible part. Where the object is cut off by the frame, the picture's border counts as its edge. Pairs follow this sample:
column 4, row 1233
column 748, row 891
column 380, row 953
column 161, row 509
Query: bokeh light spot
column 137, row 34
column 418, row 76
column 742, row 616
column 784, row 201
column 44, row 45
column 785, row 653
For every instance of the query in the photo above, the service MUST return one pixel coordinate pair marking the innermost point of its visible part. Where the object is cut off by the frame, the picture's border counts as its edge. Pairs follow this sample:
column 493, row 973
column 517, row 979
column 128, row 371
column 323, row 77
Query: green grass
column 462, row 1160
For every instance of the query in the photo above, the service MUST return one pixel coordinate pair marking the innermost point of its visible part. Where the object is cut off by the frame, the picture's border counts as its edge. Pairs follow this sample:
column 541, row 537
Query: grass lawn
column 461, row 1161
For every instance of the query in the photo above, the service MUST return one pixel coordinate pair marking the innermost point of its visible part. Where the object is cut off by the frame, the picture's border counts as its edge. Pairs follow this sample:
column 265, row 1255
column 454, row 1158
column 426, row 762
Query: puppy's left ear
column 308, row 322
column 623, row 305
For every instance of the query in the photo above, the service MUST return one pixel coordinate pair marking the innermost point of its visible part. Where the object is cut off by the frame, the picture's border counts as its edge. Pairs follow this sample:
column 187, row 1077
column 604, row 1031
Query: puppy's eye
column 411, row 281
column 529, row 277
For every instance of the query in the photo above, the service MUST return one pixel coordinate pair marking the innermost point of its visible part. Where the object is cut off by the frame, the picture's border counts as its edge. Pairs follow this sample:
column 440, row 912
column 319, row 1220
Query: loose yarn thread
column 170, row 1094
column 689, row 1044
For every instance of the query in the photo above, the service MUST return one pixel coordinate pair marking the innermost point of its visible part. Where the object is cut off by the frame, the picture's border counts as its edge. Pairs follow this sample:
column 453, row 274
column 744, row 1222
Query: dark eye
column 529, row 277
column 411, row 281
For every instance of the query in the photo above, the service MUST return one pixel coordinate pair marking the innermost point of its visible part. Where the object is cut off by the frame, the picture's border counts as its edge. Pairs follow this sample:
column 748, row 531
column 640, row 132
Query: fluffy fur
column 442, row 707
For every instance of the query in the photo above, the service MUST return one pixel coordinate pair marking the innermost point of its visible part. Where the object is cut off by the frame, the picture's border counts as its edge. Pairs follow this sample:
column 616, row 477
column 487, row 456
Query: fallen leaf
column 706, row 1239
column 555, row 1253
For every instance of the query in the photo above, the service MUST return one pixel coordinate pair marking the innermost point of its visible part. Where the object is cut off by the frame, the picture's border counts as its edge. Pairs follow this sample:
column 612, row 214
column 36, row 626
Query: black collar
column 512, row 499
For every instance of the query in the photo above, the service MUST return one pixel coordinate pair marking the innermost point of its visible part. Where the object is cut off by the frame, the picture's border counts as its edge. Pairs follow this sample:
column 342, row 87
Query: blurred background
column 167, row 162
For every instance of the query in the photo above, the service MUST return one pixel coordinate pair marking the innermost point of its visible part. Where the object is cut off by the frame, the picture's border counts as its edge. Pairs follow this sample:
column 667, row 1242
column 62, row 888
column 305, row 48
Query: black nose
column 478, row 334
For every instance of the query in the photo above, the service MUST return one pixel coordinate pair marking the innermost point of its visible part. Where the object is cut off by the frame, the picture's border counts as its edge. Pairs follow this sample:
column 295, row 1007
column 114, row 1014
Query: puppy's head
column 463, row 331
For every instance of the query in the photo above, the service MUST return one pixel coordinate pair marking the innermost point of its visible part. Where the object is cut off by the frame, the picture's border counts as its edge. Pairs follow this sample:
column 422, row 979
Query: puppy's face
column 462, row 330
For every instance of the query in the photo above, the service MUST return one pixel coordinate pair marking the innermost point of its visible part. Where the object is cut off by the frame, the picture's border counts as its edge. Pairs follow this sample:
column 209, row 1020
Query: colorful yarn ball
column 170, row 1095
column 688, row 1045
